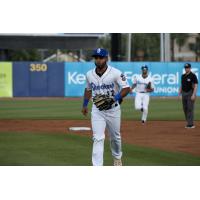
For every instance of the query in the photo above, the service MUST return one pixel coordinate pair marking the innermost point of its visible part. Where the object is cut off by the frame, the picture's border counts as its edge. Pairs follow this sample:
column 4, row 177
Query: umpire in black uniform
column 188, row 90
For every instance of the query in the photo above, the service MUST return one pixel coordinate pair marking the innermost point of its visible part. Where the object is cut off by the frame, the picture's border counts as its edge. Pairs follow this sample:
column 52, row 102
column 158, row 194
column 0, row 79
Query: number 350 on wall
column 38, row 67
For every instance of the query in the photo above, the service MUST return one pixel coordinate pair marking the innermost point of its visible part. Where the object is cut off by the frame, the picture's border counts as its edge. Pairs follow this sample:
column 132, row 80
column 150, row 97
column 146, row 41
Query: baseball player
column 143, row 85
column 107, row 86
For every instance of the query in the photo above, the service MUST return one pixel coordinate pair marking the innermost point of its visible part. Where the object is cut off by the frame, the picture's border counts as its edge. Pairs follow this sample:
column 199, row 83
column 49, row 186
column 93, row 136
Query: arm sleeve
column 122, row 80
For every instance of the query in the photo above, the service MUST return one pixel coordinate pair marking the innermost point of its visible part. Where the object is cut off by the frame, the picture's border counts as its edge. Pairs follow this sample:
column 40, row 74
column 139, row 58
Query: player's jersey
column 141, row 83
column 111, row 82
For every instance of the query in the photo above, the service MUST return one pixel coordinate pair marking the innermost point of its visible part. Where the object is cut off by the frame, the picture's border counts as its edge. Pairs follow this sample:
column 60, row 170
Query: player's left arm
column 125, row 88
column 150, row 86
column 193, row 97
column 124, row 92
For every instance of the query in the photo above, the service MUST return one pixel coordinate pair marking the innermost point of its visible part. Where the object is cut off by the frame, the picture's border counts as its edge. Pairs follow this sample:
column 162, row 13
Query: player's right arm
column 86, row 98
column 133, row 85
column 180, row 89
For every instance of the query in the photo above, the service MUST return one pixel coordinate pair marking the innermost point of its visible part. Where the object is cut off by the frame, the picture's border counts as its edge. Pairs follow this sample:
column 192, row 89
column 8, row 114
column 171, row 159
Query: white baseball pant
column 142, row 101
column 110, row 119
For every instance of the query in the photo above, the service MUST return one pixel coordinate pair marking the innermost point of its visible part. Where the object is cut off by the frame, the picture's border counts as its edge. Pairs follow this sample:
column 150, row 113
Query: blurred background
column 55, row 64
column 73, row 47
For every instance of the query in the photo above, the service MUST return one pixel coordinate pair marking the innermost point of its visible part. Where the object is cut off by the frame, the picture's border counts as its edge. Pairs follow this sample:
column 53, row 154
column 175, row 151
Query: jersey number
column 111, row 93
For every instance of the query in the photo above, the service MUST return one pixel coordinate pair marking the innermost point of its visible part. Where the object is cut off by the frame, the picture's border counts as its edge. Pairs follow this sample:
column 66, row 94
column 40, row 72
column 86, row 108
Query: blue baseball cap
column 187, row 65
column 144, row 67
column 100, row 52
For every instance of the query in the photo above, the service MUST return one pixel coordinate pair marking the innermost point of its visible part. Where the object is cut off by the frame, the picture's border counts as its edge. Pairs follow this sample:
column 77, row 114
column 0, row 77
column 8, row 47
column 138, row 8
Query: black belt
column 116, row 104
column 142, row 92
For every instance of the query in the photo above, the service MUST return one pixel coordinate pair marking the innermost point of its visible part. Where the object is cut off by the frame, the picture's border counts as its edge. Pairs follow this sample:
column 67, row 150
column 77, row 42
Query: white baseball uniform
column 142, row 96
column 111, row 82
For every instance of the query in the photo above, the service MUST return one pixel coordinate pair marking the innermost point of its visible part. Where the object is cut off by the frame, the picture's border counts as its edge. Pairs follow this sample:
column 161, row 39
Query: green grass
column 159, row 109
column 32, row 149
column 65, row 149
column 40, row 109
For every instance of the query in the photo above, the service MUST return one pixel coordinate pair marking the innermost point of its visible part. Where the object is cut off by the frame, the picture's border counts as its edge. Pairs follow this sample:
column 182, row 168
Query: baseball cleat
column 117, row 162
column 143, row 122
column 190, row 126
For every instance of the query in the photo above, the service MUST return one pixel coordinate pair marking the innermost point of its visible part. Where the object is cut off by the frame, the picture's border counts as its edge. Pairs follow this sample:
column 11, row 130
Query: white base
column 79, row 128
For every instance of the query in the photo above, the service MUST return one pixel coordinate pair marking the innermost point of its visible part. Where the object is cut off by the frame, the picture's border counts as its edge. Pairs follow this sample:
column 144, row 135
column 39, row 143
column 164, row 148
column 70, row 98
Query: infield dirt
column 165, row 135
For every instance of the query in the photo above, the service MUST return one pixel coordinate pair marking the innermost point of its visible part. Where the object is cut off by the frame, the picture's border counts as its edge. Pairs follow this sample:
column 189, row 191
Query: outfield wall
column 6, row 84
column 36, row 79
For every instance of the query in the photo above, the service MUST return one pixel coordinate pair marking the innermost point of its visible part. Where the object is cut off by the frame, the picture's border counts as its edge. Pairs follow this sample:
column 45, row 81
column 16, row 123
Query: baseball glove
column 103, row 101
column 148, row 87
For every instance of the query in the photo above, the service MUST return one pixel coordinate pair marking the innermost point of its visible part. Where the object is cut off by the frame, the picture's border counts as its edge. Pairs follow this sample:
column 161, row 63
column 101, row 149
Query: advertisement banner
column 75, row 81
column 6, row 79
column 166, row 75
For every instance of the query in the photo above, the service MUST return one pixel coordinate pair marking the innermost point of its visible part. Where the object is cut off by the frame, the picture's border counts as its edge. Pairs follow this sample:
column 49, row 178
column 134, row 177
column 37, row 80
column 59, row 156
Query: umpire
column 188, row 90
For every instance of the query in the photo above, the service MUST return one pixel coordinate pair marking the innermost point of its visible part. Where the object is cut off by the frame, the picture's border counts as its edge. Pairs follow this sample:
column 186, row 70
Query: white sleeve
column 135, row 80
column 88, row 85
column 121, row 80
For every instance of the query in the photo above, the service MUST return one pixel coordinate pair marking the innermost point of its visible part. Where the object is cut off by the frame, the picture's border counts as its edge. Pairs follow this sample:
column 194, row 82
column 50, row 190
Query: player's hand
column 193, row 97
column 84, row 111
column 149, row 90
column 179, row 97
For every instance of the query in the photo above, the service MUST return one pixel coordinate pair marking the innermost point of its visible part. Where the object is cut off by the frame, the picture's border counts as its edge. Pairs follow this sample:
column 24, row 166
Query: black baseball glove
column 148, row 85
column 103, row 101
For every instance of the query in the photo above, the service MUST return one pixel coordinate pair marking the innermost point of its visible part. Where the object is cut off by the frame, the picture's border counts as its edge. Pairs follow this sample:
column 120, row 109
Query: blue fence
column 36, row 79
column 33, row 79
column 167, row 76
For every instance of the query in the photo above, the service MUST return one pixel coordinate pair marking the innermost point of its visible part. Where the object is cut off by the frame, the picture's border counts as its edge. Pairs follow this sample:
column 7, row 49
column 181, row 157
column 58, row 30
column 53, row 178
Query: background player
column 143, row 85
column 105, row 80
